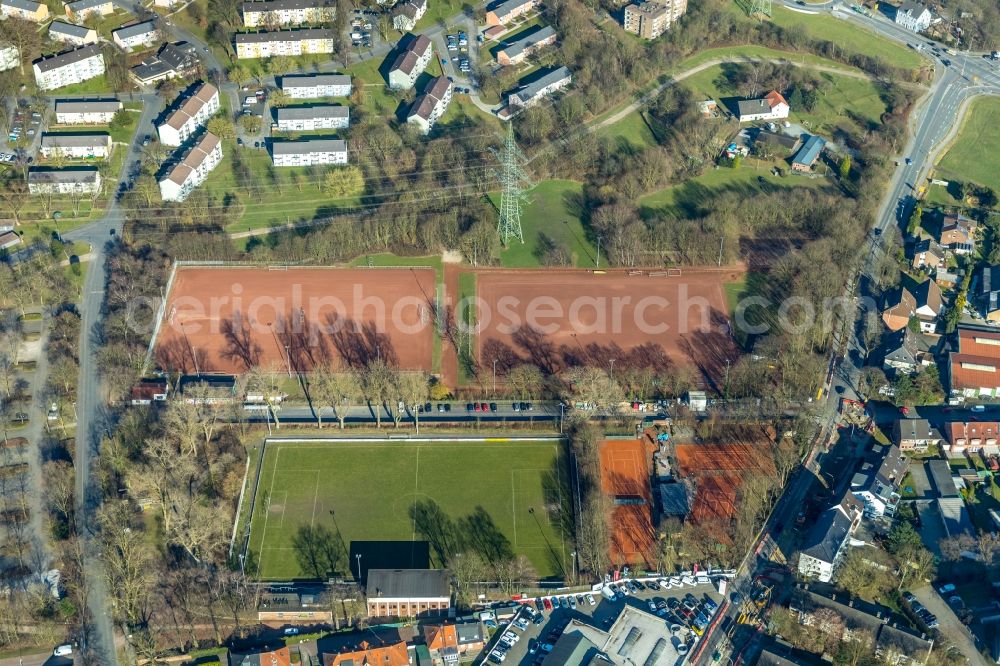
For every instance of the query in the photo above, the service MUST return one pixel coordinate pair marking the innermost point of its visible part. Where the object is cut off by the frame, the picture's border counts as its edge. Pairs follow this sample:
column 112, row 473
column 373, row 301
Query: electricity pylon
column 513, row 182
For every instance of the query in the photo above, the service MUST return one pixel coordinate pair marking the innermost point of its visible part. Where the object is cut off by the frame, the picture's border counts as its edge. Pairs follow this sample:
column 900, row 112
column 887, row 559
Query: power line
column 513, row 182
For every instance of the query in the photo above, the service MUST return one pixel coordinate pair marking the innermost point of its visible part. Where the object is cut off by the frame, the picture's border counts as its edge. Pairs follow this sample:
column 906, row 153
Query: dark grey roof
column 913, row 8
column 308, row 112
column 135, row 29
column 469, row 632
column 85, row 4
column 989, row 287
column 309, row 80
column 955, row 517
column 305, row 146
column 882, row 472
column 940, row 475
column 781, row 655
column 532, row 89
column 408, row 583
column 901, row 346
column 66, row 175
column 783, row 140
column 916, row 429
column 507, row 6
column 517, row 48
column 179, row 55
column 75, row 140
column 151, row 68
column 293, row 35
column 674, row 499
column 26, row 5
column 828, row 535
column 208, row 381
column 753, row 107
column 572, row 649
column 87, row 105
column 49, row 63
column 277, row 5
column 70, row 29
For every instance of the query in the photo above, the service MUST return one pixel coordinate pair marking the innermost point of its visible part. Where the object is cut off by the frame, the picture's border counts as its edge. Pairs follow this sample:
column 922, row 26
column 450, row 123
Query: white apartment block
column 315, row 86
column 81, row 9
column 76, row 146
column 192, row 171
column 294, row 42
column 260, row 13
column 24, row 9
column 167, row 4
column 86, row 112
column 137, row 36
column 534, row 92
column 431, row 105
column 10, row 57
column 64, row 69
column 72, row 180
column 410, row 63
column 194, row 112
column 407, row 13
column 311, row 118
column 308, row 152
column 71, row 33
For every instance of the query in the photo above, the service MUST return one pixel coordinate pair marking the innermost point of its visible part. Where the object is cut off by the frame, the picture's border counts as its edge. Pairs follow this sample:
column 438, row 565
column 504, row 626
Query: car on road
column 483, row 407
column 292, row 631
column 947, row 588
column 493, row 406
column 908, row 161
column 979, row 409
column 63, row 650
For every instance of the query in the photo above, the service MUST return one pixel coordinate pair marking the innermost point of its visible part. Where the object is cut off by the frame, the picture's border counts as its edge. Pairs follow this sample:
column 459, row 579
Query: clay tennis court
column 560, row 318
column 225, row 319
column 718, row 470
column 625, row 479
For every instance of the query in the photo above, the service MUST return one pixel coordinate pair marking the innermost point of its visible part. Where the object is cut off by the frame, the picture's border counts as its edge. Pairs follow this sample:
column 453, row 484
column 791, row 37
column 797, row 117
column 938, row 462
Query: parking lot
column 535, row 638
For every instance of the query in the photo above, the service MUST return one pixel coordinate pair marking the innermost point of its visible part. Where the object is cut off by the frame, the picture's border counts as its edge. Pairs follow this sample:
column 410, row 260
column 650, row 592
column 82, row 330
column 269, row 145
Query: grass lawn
column 98, row 84
column 549, row 213
column 113, row 21
column 461, row 111
column 975, row 154
column 492, row 496
column 376, row 98
column 631, row 129
column 440, row 11
column 754, row 51
column 746, row 178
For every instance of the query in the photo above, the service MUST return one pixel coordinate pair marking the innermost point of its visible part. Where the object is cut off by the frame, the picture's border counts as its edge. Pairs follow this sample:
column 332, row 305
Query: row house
column 316, row 86
column 76, row 146
column 10, row 57
column 193, row 169
column 410, row 63
column 651, row 19
column 502, row 13
column 431, row 105
column 136, row 36
column 308, row 152
column 81, row 9
column 532, row 93
column 27, row 10
column 366, row 654
column 294, row 42
column 86, row 112
column 70, row 67
column 287, row 12
column 973, row 369
column 311, row 118
column 971, row 437
column 915, row 434
column 189, row 116
column 71, row 180
column 515, row 52
column 70, row 33
column 406, row 14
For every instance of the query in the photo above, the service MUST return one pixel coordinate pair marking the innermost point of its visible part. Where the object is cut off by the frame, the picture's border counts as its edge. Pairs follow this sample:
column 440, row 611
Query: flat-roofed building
column 81, row 9
column 515, row 52
column 294, row 42
column 136, row 36
column 651, row 19
column 76, row 146
column 192, row 170
column 314, row 86
column 71, row 33
column 308, row 152
column 27, row 10
column 86, row 111
column 287, row 12
column 69, row 67
column 70, row 180
column 311, row 118
column 431, row 105
column 410, row 62
column 403, row 593
column 189, row 115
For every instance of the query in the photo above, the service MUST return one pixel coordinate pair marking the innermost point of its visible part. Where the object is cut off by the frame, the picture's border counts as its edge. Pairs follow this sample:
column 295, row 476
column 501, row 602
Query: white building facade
column 293, row 42
column 190, row 115
column 86, row 112
column 76, row 180
column 309, row 152
column 315, row 86
column 287, row 12
column 311, row 118
column 192, row 171
column 140, row 35
column 64, row 69
column 76, row 146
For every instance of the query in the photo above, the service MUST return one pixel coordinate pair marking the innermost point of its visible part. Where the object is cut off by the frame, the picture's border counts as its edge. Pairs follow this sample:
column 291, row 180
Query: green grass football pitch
column 393, row 501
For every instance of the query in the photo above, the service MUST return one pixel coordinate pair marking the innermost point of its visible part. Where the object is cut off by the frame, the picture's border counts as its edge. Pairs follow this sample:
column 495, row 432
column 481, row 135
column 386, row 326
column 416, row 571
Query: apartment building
column 77, row 35
column 10, row 57
column 431, row 105
column 308, row 152
column 532, row 93
column 24, row 9
column 172, row 60
column 294, row 42
column 515, row 52
column 86, row 112
column 76, row 146
column 311, row 118
column 71, row 180
column 64, row 69
column 914, row 434
column 189, row 115
column 913, row 16
column 974, row 363
column 81, row 9
column 827, row 541
column 406, row 14
column 651, row 19
column 410, row 62
column 315, row 86
column 876, row 483
column 502, row 13
column 402, row 593
column 269, row 13
column 136, row 36
column 193, row 169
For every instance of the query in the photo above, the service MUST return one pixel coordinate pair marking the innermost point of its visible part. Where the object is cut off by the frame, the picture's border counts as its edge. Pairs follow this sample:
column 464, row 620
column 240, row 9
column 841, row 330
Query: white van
column 63, row 650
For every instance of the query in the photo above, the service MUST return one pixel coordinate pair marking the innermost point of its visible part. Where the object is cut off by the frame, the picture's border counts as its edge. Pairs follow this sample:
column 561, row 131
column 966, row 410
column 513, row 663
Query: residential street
column 950, row 625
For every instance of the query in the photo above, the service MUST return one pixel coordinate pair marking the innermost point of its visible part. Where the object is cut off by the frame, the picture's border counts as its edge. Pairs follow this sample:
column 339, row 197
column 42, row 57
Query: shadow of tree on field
column 240, row 345
column 440, row 531
column 319, row 551
column 485, row 537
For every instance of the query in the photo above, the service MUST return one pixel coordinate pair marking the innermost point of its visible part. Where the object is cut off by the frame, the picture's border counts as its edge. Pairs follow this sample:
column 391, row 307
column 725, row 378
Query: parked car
column 63, row 650
column 547, row 602
column 591, row 600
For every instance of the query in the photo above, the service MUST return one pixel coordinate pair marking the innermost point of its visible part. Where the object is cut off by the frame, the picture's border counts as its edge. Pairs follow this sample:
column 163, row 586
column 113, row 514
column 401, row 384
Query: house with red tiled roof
column 771, row 106
column 973, row 369
column 448, row 644
column 395, row 654
column 278, row 657
column 965, row 436
column 899, row 307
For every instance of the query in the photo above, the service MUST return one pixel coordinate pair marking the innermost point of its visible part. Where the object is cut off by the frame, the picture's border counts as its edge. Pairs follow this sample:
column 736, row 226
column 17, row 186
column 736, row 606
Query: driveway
column 951, row 628
column 931, row 527
column 921, row 484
